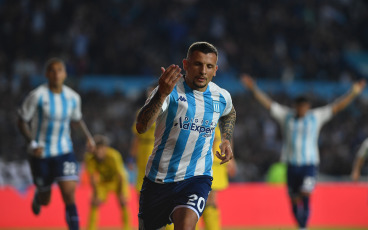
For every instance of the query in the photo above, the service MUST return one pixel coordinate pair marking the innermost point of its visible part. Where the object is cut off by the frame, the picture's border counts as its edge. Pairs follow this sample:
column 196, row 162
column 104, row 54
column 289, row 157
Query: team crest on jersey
column 216, row 106
column 181, row 98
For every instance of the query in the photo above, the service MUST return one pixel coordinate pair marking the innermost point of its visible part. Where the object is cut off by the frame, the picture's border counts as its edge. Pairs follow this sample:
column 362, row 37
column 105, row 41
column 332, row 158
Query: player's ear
column 185, row 64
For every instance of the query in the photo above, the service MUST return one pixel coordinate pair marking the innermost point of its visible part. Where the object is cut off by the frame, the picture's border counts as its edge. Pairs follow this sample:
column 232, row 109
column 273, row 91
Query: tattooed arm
column 226, row 125
column 150, row 111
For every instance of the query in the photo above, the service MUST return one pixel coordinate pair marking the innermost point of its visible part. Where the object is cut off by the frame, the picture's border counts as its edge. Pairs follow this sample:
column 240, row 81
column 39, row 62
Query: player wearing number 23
column 44, row 121
column 186, row 110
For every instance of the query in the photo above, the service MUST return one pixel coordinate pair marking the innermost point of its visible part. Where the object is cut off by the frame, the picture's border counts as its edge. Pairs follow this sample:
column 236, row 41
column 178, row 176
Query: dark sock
column 72, row 217
column 305, row 215
column 296, row 212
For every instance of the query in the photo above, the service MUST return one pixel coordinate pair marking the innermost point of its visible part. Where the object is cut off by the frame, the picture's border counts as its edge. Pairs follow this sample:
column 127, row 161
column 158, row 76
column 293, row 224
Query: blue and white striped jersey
column 300, row 135
column 185, row 131
column 50, row 115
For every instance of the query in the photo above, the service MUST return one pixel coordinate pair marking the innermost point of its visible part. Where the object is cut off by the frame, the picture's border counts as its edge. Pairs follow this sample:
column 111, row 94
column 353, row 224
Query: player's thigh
column 184, row 218
column 309, row 179
column 193, row 193
column 155, row 204
column 294, row 180
column 42, row 174
column 65, row 168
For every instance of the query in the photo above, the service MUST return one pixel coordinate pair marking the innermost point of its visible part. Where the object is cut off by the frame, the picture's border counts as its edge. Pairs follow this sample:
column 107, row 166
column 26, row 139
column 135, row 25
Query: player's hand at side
column 91, row 145
column 226, row 152
column 37, row 152
column 358, row 87
column 168, row 79
column 247, row 81
column 95, row 201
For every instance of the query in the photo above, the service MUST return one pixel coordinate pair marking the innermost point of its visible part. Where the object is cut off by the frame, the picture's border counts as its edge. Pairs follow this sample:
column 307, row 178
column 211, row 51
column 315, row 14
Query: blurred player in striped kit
column 186, row 110
column 300, row 128
column 107, row 174
column 44, row 121
column 359, row 160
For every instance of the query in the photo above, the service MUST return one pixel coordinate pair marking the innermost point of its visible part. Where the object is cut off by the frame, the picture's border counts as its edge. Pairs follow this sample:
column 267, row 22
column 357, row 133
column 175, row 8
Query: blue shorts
column 158, row 201
column 301, row 179
column 46, row 171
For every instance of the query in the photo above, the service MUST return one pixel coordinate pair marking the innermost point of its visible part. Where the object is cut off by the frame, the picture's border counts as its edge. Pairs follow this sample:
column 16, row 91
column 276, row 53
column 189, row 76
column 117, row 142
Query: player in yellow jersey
column 211, row 214
column 107, row 174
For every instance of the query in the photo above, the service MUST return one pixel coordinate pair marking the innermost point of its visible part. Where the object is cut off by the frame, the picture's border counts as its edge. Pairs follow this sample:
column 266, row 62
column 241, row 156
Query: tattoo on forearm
column 150, row 111
column 226, row 125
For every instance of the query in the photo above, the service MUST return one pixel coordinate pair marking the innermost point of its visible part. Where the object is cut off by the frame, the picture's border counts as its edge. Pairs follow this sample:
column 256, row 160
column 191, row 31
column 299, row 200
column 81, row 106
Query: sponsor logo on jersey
column 204, row 128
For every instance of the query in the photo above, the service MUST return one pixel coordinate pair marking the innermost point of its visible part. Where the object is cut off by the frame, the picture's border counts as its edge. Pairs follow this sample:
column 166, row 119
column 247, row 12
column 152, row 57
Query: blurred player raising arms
column 300, row 128
column 44, row 121
column 186, row 111
column 107, row 174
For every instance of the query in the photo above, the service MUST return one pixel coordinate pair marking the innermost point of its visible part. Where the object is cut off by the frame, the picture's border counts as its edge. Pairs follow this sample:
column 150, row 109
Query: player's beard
column 202, row 85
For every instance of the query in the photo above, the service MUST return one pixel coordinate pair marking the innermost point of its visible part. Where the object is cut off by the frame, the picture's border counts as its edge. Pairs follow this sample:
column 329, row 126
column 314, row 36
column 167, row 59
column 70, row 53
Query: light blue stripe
column 208, row 116
column 73, row 106
column 50, row 125
column 182, row 138
column 304, row 140
column 314, row 139
column 172, row 110
column 222, row 104
column 62, row 122
column 40, row 117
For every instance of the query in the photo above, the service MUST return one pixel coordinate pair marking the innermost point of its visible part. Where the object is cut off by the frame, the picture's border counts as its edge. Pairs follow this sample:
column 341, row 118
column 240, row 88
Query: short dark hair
column 203, row 47
column 301, row 99
column 52, row 61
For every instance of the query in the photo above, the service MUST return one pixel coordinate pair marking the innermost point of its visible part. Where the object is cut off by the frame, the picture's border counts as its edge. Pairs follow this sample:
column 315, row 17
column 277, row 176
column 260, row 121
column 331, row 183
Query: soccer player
column 186, row 110
column 221, row 172
column 105, row 168
column 359, row 160
column 300, row 127
column 44, row 121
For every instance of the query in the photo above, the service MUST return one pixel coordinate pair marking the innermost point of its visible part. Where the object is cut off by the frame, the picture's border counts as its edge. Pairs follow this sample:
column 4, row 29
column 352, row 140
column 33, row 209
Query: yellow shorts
column 141, row 172
column 220, row 178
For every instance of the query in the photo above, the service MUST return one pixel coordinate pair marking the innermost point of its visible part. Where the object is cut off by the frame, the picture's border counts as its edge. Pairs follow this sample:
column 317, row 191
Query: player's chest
column 304, row 126
column 56, row 108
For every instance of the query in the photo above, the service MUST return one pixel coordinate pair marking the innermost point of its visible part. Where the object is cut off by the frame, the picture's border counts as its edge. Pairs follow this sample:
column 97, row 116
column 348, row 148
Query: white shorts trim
column 67, row 178
column 184, row 206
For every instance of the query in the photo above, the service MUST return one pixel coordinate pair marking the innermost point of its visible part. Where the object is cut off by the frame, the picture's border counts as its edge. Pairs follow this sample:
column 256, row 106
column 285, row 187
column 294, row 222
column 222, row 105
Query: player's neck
column 56, row 89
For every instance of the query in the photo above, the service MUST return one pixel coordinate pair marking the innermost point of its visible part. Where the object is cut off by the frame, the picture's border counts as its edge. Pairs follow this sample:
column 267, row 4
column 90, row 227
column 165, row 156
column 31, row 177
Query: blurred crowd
column 275, row 39
column 279, row 39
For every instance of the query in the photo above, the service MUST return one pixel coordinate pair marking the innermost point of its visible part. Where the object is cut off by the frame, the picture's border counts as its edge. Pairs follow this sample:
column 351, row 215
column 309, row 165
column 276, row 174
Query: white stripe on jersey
column 50, row 116
column 184, row 133
column 300, row 135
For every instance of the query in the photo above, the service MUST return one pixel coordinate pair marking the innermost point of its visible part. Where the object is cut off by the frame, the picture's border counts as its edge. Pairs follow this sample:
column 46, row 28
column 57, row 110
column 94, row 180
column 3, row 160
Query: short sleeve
column 165, row 104
column 279, row 112
column 363, row 150
column 229, row 102
column 76, row 114
column 323, row 114
column 28, row 107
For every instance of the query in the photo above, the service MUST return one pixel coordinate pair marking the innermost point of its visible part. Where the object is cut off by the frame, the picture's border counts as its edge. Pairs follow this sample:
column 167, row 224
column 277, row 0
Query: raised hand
column 168, row 79
column 358, row 87
column 247, row 81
